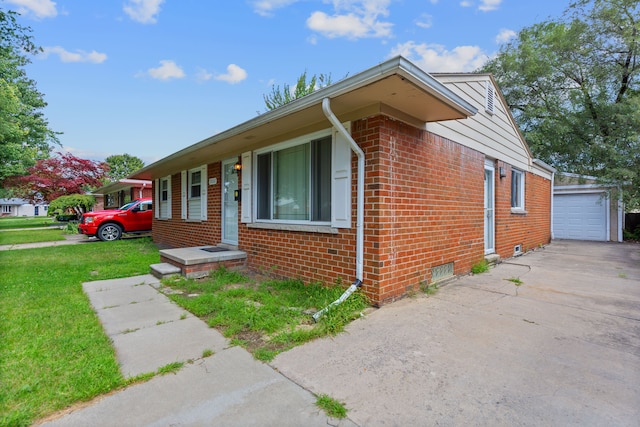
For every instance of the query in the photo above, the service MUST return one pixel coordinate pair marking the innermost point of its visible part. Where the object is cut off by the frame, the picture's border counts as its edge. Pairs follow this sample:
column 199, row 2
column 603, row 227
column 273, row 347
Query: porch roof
column 396, row 87
column 123, row 184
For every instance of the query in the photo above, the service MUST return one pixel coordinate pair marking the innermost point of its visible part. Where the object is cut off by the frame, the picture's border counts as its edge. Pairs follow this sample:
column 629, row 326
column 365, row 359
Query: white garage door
column 580, row 216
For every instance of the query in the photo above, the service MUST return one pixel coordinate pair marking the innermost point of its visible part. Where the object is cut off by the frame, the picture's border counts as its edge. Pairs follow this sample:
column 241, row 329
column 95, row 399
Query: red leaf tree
column 58, row 176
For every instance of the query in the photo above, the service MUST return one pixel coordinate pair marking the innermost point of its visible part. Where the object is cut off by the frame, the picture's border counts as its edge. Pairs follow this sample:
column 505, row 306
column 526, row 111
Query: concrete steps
column 492, row 259
column 196, row 262
column 164, row 269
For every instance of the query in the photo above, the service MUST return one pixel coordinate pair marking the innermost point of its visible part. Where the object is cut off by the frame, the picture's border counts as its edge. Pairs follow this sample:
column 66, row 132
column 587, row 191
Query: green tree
column 572, row 85
column 25, row 136
column 122, row 165
column 57, row 176
column 281, row 96
column 78, row 203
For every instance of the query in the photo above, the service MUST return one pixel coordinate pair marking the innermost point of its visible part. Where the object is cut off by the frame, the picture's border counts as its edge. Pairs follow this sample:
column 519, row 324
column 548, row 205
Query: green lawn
column 265, row 316
column 15, row 237
column 53, row 349
column 25, row 222
column 54, row 352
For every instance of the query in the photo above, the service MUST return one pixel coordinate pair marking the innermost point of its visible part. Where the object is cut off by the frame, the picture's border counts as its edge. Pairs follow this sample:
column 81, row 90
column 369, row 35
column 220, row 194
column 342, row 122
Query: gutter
column 326, row 109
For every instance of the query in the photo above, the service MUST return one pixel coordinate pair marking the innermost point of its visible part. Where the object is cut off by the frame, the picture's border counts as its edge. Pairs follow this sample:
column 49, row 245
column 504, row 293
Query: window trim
column 519, row 207
column 294, row 142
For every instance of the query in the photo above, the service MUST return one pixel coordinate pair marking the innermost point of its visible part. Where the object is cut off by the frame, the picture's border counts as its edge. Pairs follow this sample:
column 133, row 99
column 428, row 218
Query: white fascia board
column 544, row 165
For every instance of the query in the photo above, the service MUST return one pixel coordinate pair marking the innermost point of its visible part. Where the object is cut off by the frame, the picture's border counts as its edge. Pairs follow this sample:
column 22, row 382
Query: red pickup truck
column 107, row 225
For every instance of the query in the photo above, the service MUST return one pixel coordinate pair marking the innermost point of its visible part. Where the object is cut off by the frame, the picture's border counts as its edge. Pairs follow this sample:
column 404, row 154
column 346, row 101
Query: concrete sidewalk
column 229, row 388
column 69, row 239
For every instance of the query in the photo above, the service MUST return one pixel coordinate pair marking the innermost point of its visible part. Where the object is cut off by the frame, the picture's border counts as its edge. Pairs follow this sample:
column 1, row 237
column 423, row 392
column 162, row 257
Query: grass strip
column 30, row 236
column 25, row 222
column 54, row 351
column 265, row 316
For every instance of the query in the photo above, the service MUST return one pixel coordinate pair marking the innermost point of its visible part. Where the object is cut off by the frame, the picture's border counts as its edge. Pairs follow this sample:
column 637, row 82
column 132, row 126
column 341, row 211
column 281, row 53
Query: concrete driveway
column 562, row 348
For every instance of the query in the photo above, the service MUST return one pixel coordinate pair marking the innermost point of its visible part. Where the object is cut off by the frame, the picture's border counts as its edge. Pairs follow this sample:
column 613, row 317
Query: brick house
column 121, row 192
column 393, row 176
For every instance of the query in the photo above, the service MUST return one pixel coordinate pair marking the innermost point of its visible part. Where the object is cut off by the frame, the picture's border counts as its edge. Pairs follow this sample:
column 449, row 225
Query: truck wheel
column 109, row 232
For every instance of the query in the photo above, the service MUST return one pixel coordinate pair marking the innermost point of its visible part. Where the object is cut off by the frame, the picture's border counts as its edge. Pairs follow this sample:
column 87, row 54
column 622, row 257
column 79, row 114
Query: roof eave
column 395, row 66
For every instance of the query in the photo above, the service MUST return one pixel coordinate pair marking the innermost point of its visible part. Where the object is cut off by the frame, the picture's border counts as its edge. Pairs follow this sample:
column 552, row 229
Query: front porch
column 196, row 262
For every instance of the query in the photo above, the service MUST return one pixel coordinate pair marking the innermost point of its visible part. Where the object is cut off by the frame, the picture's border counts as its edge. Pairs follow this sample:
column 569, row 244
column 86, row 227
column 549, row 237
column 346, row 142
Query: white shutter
column 245, row 198
column 340, row 182
column 156, row 196
column 203, row 192
column 183, row 195
column 169, row 206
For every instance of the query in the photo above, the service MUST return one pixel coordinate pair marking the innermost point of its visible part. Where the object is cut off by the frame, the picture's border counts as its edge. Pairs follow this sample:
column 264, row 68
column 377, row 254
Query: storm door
column 489, row 208
column 229, row 202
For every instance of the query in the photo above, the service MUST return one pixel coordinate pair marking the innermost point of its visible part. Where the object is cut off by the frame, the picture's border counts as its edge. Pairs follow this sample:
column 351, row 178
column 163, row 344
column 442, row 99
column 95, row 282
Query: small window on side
column 517, row 189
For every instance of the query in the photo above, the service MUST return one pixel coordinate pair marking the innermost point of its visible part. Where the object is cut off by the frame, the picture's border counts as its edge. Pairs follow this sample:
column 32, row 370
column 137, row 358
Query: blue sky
column 150, row 77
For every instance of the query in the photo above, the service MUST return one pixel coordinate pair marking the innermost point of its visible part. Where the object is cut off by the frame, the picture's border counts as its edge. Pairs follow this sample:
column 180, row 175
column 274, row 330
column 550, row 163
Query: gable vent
column 489, row 99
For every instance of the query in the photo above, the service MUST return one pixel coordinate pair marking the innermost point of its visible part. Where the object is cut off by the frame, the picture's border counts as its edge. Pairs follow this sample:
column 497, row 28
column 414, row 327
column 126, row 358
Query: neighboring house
column 584, row 209
column 22, row 207
column 121, row 192
column 392, row 176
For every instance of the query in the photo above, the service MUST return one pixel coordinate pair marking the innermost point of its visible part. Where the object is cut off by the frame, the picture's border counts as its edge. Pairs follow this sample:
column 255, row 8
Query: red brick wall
column 529, row 229
column 146, row 192
column 424, row 207
column 176, row 232
column 425, row 195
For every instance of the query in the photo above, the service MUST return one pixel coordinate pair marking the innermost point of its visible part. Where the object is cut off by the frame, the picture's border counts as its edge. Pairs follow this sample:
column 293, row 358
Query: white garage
column 581, row 216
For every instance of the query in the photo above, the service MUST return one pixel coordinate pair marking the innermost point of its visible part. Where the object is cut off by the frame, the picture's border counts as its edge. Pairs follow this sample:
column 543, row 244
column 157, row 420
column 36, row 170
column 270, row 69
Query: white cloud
column 39, row 8
column 436, row 58
column 505, row 35
column 489, row 5
column 425, row 21
column 78, row 56
column 166, row 71
column 234, row 74
column 143, row 11
column 203, row 75
column 266, row 7
column 353, row 19
column 466, row 3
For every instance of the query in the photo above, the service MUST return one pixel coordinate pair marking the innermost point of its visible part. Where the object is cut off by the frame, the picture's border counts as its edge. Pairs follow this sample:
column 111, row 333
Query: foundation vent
column 441, row 272
column 517, row 250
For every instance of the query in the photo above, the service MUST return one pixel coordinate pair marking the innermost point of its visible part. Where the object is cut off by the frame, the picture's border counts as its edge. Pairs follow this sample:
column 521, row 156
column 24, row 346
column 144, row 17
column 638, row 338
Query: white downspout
column 326, row 109
column 620, row 215
column 553, row 186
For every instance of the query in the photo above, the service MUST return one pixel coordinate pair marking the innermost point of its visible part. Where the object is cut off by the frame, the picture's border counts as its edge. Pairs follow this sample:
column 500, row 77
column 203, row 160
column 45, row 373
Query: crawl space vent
column 441, row 272
column 517, row 250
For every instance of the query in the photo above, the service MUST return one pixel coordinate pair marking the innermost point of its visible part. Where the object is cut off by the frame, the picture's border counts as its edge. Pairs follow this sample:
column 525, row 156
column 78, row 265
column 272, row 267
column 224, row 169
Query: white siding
column 495, row 134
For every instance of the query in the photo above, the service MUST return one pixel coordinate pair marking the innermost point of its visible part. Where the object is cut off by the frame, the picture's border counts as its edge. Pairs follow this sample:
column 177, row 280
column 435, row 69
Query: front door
column 229, row 202
column 489, row 208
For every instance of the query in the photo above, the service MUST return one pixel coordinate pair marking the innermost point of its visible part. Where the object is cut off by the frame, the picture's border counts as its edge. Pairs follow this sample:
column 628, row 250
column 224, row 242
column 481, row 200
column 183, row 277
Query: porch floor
column 198, row 261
